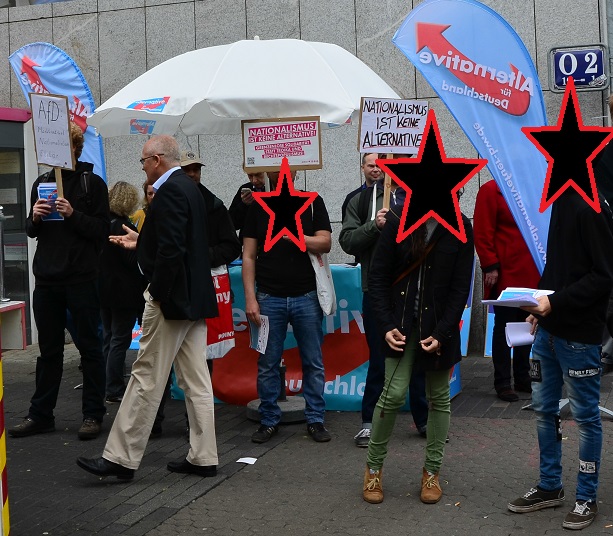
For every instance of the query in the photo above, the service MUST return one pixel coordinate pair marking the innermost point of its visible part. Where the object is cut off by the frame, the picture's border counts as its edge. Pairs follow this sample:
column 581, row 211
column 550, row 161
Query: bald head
column 159, row 154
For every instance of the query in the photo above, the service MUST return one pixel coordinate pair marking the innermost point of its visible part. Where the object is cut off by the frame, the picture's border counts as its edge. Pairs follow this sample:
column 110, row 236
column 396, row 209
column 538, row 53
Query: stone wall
column 114, row 41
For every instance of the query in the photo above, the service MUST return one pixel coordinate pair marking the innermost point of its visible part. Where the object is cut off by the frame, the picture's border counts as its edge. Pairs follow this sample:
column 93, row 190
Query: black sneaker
column 581, row 516
column 318, row 432
column 264, row 433
column 537, row 499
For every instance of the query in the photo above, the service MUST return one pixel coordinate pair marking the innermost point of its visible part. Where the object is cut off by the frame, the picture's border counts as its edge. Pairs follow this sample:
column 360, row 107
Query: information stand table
column 13, row 325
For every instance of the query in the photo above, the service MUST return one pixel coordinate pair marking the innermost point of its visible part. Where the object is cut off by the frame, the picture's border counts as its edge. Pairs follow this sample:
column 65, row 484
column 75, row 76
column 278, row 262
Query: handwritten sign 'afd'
column 50, row 121
column 391, row 125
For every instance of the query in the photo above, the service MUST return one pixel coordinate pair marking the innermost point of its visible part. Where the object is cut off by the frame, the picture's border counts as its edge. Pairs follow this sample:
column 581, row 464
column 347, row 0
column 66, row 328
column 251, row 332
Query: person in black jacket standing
column 173, row 256
column 121, row 291
column 66, row 271
column 418, row 290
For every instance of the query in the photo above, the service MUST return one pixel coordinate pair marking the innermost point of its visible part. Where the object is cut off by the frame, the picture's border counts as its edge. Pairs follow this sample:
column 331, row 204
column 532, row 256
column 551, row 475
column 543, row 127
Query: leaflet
column 48, row 191
column 518, row 334
column 518, row 297
column 258, row 335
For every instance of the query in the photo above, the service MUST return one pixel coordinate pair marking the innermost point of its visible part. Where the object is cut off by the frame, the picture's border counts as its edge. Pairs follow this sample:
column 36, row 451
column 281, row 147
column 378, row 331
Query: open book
column 518, row 297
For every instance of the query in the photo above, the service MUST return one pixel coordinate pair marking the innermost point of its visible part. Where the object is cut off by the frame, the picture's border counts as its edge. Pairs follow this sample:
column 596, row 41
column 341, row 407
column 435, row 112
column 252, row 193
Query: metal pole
column 2, row 219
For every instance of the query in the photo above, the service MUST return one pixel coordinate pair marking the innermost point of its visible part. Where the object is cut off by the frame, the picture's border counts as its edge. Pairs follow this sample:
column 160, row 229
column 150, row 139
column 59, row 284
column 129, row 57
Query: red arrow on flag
column 27, row 68
column 501, row 87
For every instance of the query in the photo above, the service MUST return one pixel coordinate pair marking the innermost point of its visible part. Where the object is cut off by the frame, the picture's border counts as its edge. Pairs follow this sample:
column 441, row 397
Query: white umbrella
column 209, row 91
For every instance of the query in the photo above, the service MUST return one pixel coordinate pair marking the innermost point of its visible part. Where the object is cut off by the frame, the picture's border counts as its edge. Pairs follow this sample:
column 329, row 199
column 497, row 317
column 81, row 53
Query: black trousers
column 501, row 353
column 50, row 304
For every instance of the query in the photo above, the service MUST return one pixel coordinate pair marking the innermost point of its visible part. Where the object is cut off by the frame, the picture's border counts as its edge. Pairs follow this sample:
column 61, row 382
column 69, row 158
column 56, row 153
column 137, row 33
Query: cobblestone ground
column 296, row 487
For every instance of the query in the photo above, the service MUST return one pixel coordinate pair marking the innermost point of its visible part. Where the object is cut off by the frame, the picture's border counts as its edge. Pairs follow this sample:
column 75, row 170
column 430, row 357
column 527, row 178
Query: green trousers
column 397, row 378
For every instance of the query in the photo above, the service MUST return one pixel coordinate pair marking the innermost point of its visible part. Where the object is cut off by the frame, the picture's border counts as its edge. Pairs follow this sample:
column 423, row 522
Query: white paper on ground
column 518, row 334
column 247, row 460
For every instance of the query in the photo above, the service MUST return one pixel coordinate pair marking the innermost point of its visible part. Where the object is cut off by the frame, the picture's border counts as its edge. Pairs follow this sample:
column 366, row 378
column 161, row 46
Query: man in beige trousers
column 172, row 251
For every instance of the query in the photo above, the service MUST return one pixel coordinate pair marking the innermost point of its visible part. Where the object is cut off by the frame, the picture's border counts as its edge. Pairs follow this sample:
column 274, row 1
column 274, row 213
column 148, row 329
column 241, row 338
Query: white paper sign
column 50, row 120
column 391, row 125
column 266, row 142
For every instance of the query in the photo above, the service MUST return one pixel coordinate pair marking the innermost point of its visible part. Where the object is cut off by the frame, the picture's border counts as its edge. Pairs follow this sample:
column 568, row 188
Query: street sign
column 588, row 65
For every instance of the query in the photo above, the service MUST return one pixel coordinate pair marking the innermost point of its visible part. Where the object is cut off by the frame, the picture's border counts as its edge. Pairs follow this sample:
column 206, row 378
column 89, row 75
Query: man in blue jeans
column 287, row 293
column 566, row 351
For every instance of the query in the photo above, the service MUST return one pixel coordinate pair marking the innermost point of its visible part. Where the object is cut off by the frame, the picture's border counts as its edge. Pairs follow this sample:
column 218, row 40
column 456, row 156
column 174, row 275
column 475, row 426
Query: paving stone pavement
column 296, row 487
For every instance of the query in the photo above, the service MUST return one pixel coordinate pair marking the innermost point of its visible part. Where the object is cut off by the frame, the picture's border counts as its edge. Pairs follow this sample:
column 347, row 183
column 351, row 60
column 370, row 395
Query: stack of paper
column 518, row 297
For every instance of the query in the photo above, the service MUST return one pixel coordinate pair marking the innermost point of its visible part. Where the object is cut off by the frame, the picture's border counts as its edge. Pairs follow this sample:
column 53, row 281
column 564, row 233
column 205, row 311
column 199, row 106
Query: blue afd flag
column 482, row 71
column 44, row 68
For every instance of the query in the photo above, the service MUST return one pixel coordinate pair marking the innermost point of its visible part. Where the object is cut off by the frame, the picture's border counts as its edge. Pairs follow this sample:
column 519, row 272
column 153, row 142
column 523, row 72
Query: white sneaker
column 362, row 438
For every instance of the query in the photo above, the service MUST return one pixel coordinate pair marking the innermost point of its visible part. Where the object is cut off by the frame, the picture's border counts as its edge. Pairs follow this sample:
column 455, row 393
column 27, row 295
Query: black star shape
column 432, row 182
column 284, row 205
column 570, row 148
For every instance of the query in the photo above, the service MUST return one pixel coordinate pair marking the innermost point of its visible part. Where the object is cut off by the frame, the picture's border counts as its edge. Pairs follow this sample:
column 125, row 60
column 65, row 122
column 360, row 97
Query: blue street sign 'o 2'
column 585, row 64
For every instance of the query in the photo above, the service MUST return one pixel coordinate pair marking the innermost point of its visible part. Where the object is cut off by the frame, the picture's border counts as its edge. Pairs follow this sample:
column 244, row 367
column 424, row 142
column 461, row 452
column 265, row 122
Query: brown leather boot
column 373, row 492
column 431, row 491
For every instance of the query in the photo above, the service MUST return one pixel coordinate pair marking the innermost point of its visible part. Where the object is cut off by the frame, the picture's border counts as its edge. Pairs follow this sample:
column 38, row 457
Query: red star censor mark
column 431, row 182
column 284, row 205
column 570, row 148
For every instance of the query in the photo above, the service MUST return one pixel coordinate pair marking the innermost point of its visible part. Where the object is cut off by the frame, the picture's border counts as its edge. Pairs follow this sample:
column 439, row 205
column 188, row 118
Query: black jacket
column 445, row 285
column 121, row 282
column 68, row 251
column 579, row 270
column 224, row 246
column 173, row 251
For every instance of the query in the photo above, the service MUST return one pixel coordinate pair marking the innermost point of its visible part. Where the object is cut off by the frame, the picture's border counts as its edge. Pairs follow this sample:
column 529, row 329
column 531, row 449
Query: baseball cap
column 190, row 157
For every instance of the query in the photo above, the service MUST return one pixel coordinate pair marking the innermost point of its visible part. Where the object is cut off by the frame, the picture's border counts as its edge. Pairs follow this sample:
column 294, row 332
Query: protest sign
column 391, row 125
column 52, row 140
column 267, row 141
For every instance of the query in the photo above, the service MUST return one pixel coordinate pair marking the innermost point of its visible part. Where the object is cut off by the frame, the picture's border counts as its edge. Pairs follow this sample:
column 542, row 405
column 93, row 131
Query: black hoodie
column 68, row 251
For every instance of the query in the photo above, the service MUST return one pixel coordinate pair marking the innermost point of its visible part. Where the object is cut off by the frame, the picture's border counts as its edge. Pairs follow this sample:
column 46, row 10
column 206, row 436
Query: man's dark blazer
column 173, row 251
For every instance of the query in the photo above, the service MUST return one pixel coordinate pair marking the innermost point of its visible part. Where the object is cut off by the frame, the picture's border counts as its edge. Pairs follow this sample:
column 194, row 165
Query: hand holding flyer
column 48, row 191
column 518, row 297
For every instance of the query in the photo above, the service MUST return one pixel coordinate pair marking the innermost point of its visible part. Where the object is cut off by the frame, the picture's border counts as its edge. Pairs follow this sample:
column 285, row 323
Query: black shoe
column 114, row 399
column 156, row 431
column 537, row 499
column 523, row 387
column 318, row 432
column 581, row 516
column 422, row 430
column 29, row 427
column 264, row 433
column 508, row 395
column 90, row 429
column 189, row 468
column 103, row 467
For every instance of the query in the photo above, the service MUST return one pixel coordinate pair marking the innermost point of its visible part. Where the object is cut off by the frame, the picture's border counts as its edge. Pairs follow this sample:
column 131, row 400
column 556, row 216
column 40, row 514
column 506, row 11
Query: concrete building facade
column 114, row 41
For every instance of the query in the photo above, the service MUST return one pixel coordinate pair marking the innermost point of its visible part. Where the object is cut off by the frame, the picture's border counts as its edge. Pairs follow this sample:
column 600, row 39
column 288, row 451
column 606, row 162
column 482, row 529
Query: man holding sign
column 66, row 271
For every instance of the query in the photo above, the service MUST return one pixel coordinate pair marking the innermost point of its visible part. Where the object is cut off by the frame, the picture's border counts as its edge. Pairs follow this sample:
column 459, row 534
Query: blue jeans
column 117, row 327
column 556, row 362
column 305, row 316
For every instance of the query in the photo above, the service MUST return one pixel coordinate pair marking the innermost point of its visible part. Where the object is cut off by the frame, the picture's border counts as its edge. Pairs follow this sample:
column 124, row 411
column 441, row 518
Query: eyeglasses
column 142, row 160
